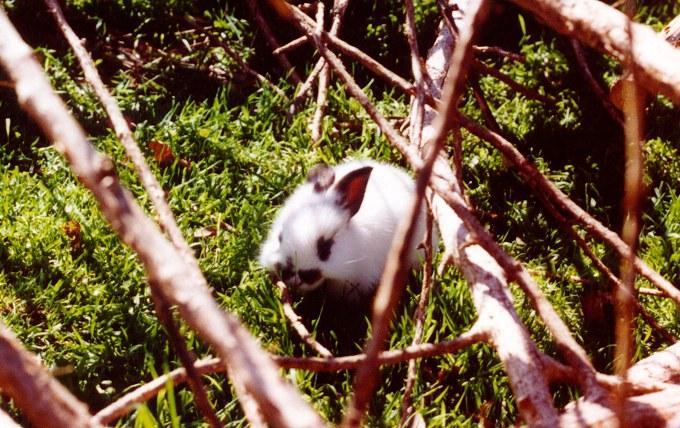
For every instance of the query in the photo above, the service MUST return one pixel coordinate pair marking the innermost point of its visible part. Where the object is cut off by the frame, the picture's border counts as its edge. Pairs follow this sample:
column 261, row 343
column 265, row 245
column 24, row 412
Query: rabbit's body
column 338, row 227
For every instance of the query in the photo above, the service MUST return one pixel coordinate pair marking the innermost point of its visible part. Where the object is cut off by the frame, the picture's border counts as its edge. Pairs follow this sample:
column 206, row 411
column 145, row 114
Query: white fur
column 361, row 242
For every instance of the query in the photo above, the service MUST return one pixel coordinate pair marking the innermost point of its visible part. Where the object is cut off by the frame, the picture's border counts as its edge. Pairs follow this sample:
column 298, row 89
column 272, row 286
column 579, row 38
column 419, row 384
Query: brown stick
column 415, row 134
column 123, row 132
column 296, row 323
column 181, row 282
column 39, row 396
column 600, row 94
column 152, row 187
column 286, row 66
column 631, row 204
column 186, row 357
column 541, row 185
column 599, row 265
column 127, row 402
column 604, row 28
column 394, row 276
column 530, row 93
column 305, row 87
column 419, row 316
column 290, row 45
column 322, row 87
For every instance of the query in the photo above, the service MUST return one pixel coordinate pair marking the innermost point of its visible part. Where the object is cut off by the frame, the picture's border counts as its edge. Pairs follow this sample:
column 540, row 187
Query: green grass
column 80, row 300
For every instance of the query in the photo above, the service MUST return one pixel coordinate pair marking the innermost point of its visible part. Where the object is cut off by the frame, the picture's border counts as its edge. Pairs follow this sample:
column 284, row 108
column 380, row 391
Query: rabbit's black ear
column 351, row 189
column 322, row 176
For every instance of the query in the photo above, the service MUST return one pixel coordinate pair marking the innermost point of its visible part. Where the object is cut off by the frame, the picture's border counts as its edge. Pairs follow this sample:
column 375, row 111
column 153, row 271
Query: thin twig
column 123, row 132
column 594, row 85
column 303, row 89
column 290, row 45
column 632, row 198
column 599, row 265
column 186, row 357
column 143, row 393
column 259, row 77
column 339, row 8
column 482, row 50
column 286, row 66
column 322, row 87
column 489, row 118
column 530, row 93
column 541, row 185
column 296, row 323
column 419, row 316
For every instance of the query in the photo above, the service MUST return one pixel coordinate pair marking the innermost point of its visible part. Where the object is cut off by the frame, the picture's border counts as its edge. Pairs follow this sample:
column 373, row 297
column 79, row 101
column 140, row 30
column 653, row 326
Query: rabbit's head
column 299, row 247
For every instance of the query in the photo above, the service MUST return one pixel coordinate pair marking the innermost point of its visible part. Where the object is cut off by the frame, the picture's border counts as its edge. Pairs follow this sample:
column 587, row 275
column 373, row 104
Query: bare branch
column 604, row 28
column 530, row 93
column 419, row 316
column 181, row 282
column 39, row 396
column 541, row 185
column 286, row 66
column 186, row 357
column 152, row 186
column 213, row 365
column 322, row 88
column 290, row 45
column 594, row 85
column 632, row 198
column 394, row 276
column 296, row 322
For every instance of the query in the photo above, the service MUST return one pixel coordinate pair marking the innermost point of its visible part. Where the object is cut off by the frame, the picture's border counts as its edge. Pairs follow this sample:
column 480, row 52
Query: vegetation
column 77, row 297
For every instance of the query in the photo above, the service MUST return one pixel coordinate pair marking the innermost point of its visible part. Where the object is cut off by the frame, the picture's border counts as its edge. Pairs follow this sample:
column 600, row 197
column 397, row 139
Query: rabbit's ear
column 322, row 176
column 351, row 189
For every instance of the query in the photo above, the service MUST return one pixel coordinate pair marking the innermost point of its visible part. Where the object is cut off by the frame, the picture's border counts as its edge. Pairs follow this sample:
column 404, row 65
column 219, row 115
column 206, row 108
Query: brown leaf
column 72, row 229
column 164, row 155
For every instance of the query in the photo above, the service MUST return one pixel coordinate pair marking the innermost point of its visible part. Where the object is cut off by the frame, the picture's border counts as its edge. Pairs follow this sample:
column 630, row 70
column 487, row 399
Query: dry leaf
column 72, row 229
column 164, row 155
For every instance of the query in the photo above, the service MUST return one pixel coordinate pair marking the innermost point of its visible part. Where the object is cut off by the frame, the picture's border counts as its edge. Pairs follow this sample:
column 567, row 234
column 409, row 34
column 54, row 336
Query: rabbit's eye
column 323, row 248
column 310, row 276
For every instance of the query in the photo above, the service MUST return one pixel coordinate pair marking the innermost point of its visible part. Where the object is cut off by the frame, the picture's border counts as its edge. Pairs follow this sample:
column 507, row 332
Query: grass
column 78, row 298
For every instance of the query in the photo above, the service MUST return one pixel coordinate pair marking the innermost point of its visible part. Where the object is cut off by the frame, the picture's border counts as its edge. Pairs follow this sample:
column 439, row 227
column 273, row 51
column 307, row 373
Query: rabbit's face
column 299, row 248
column 306, row 245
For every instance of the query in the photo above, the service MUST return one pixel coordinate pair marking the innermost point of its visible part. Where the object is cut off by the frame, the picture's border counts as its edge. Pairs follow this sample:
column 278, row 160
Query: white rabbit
column 338, row 226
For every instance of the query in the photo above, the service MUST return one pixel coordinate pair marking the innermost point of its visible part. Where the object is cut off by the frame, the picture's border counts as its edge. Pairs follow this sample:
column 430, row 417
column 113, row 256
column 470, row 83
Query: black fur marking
column 310, row 276
column 323, row 248
column 286, row 271
column 322, row 176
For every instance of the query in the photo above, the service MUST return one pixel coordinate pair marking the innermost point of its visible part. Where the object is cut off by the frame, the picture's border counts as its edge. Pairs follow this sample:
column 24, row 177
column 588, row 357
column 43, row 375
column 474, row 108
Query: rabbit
column 337, row 228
